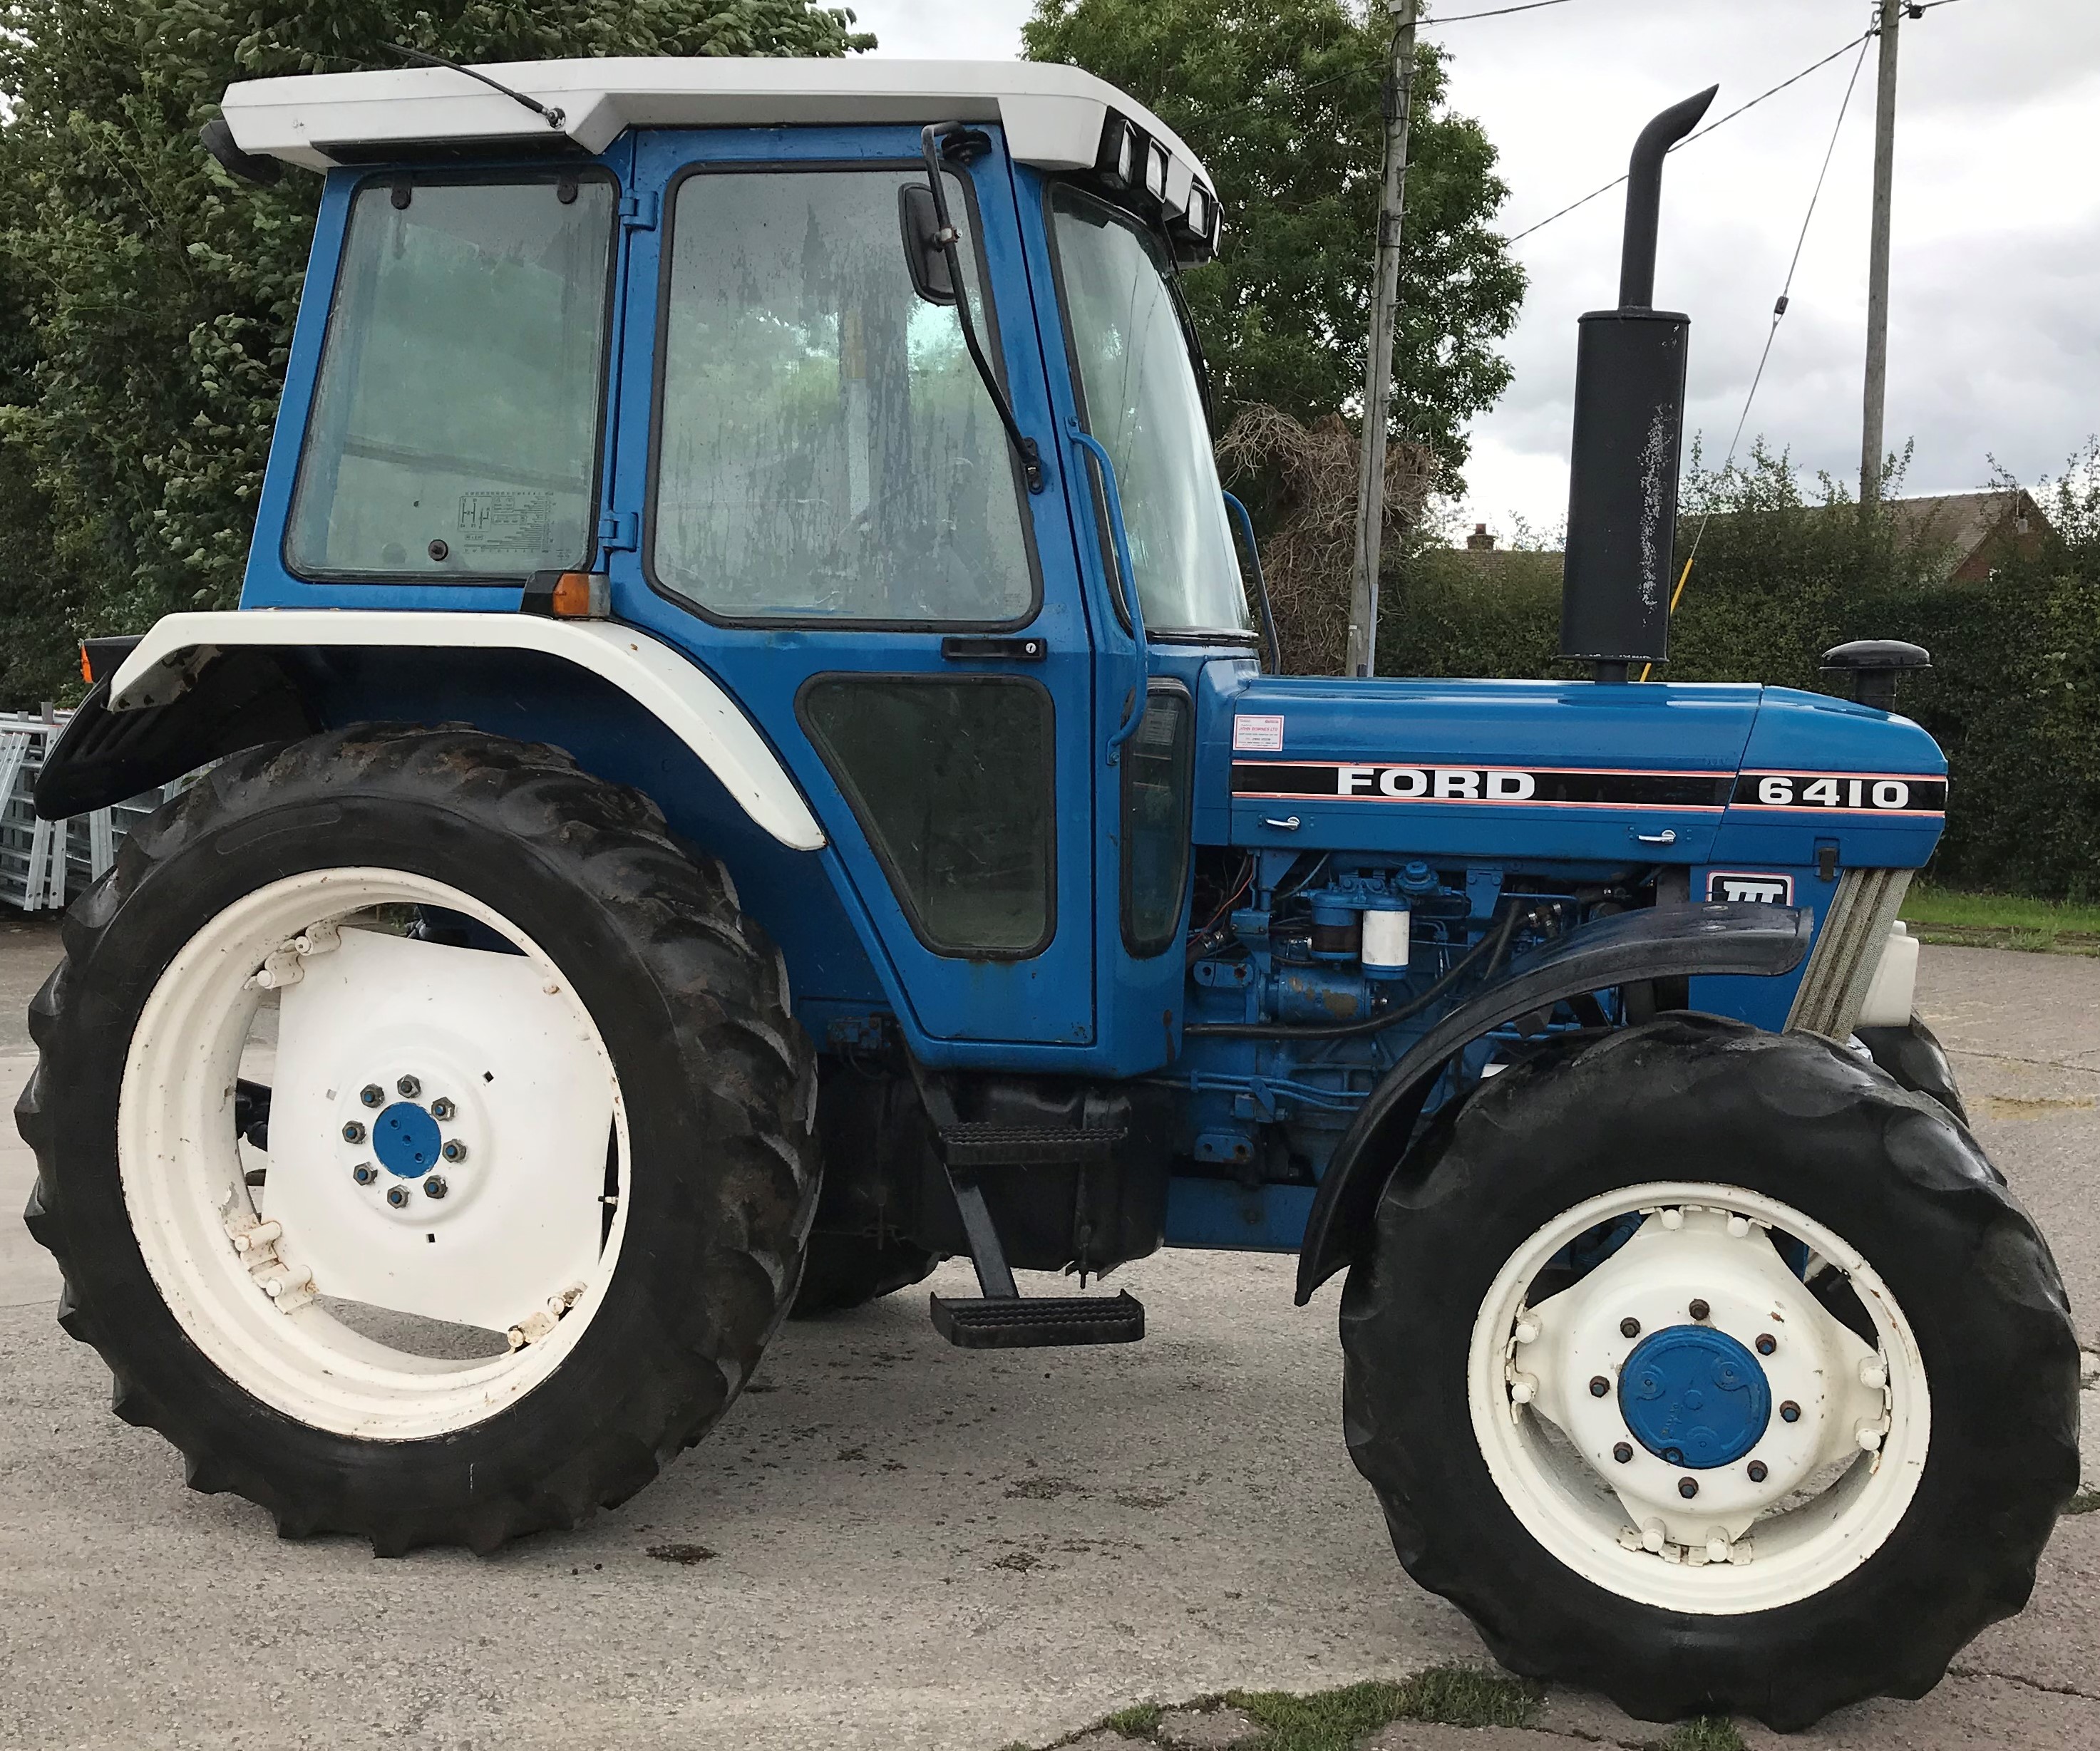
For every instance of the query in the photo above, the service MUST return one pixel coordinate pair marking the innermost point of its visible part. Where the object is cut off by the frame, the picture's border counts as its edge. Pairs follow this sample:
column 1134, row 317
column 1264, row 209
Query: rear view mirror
column 923, row 251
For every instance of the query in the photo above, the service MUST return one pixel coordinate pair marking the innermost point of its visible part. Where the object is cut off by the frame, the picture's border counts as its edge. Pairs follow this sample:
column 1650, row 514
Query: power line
column 1201, row 123
column 1502, row 11
column 1778, row 314
column 1857, row 42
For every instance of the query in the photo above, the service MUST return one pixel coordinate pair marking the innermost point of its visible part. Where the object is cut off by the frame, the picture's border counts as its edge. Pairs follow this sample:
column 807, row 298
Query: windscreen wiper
column 965, row 144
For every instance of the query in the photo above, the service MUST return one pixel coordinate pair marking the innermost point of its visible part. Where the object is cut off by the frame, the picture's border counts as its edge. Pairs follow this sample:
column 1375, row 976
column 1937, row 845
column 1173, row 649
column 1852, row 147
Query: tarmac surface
column 893, row 1543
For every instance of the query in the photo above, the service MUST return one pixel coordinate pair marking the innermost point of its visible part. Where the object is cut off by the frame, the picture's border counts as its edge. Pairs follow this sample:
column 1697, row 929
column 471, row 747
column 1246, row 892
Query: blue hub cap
column 405, row 1139
column 1695, row 1397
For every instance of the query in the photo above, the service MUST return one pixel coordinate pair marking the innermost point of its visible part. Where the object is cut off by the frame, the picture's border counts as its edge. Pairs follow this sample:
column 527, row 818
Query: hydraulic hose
column 1485, row 953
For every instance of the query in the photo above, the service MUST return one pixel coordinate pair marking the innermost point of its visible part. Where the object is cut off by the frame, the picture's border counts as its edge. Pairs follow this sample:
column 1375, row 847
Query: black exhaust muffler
column 1628, row 435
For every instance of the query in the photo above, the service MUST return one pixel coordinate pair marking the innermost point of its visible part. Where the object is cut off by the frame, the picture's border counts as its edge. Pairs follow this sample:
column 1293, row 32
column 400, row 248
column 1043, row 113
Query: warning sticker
column 496, row 521
column 1255, row 735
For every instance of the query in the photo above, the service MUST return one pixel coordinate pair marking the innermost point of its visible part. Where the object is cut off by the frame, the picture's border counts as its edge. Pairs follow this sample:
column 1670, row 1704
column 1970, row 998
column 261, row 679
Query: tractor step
column 966, row 1146
column 1013, row 1322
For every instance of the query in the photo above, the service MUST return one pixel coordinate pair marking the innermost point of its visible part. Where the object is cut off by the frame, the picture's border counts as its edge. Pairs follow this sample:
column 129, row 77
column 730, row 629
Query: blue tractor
column 745, row 766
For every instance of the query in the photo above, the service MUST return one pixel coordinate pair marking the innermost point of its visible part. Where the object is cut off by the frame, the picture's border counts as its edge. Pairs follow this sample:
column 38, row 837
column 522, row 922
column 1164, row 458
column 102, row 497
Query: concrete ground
column 892, row 1543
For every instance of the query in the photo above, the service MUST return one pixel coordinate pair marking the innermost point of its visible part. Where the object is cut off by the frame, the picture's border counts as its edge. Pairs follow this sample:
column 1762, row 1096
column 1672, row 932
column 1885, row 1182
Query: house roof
column 1961, row 523
column 1054, row 116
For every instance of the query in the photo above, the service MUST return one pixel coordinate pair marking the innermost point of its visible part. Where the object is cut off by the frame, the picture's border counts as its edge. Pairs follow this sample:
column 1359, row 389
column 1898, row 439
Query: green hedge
column 2014, row 693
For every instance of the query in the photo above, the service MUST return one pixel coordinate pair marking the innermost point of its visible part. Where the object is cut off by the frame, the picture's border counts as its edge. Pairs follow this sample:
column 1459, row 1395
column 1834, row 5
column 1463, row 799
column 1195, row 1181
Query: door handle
column 1030, row 649
column 1289, row 823
column 1667, row 836
column 1119, row 538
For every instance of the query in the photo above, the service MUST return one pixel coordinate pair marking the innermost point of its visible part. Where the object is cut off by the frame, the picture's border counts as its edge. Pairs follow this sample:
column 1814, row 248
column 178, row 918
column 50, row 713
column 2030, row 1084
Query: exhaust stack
column 1629, row 431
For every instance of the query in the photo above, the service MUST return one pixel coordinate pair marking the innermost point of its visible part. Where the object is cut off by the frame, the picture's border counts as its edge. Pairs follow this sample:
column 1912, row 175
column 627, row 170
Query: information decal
column 1560, row 787
column 1842, row 793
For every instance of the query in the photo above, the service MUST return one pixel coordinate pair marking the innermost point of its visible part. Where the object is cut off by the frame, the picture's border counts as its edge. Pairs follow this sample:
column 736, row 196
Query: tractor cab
column 871, row 421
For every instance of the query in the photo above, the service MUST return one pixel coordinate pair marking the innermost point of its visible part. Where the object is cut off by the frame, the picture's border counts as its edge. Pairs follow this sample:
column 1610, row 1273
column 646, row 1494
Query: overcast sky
column 1994, row 340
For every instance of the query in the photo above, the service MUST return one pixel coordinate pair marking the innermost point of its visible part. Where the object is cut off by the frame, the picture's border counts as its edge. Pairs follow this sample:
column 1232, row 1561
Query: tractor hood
column 1682, row 773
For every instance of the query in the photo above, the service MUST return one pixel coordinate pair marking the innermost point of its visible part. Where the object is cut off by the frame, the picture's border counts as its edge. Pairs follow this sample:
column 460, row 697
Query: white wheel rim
column 253, row 1301
column 1556, row 1450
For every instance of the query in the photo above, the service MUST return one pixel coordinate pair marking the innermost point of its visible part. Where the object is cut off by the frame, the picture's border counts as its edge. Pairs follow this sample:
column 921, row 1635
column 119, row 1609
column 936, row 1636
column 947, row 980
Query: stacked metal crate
column 42, row 862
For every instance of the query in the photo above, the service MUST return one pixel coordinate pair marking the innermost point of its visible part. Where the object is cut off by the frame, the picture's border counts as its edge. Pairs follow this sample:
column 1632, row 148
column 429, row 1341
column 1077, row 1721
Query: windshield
column 1143, row 404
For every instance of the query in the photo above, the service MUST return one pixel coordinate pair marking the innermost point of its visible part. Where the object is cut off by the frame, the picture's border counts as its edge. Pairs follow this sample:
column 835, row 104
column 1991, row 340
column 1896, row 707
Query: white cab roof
column 1053, row 115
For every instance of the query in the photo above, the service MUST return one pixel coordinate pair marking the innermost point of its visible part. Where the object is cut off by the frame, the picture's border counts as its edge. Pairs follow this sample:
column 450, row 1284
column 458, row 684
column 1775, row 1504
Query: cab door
column 813, row 496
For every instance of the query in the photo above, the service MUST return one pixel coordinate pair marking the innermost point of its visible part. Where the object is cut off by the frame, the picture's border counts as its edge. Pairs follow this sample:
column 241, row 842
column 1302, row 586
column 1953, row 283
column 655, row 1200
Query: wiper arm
column 946, row 236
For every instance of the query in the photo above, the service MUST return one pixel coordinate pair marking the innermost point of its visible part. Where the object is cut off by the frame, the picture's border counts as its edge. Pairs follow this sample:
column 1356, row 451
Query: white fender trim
column 668, row 685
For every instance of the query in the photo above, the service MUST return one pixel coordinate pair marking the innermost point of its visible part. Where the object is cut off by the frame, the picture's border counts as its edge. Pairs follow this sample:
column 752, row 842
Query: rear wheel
column 1704, row 1368
column 526, row 1212
column 849, row 1270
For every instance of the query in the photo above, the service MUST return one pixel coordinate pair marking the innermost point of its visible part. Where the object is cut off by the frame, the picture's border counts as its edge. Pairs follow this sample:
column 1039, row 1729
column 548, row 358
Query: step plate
column 1038, row 1321
column 985, row 1145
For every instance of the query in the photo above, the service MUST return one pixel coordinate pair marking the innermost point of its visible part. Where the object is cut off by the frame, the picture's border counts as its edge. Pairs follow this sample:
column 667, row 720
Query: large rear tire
column 530, row 1210
column 847, row 1271
column 1605, row 1414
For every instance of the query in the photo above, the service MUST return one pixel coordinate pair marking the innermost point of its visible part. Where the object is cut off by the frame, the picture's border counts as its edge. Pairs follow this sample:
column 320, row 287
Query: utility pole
column 1363, row 657
column 1871, row 450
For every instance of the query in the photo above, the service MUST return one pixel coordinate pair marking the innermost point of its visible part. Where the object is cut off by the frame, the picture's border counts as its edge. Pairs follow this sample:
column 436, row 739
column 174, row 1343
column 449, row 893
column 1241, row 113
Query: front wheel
column 423, row 1135
column 1704, row 1368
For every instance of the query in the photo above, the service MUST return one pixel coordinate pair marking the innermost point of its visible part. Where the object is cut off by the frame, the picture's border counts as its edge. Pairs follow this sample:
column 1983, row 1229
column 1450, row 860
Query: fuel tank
column 1562, row 771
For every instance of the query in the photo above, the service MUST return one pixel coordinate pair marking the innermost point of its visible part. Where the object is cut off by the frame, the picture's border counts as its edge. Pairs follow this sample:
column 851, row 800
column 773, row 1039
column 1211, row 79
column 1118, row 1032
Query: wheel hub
column 405, row 1138
column 1694, row 1396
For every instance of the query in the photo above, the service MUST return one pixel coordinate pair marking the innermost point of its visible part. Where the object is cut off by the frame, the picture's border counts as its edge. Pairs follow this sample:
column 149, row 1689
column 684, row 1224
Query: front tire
column 529, row 1213
column 1560, row 1257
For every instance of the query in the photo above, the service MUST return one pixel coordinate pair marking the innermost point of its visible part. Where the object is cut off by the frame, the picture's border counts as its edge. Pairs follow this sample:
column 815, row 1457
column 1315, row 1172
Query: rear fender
column 201, row 685
column 1658, row 942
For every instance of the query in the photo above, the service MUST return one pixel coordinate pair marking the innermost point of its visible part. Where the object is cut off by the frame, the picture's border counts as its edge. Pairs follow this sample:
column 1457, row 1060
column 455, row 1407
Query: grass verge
column 2085, row 1502
column 1966, row 920
column 1710, row 1732
column 1335, row 1720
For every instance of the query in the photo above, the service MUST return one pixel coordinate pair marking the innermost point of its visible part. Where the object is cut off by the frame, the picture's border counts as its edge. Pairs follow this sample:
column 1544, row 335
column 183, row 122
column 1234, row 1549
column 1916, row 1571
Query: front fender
column 1658, row 942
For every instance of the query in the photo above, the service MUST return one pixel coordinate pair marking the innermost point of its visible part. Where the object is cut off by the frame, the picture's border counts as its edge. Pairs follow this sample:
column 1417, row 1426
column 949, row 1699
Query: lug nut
column 1623, row 1452
column 454, row 1150
column 1789, row 1412
column 1688, row 1487
column 1699, row 1310
column 365, row 1173
column 398, row 1196
column 1766, row 1344
column 372, row 1094
column 1758, row 1471
column 1628, row 1328
column 435, row 1186
column 408, row 1088
column 1599, row 1385
column 353, row 1133
column 442, row 1109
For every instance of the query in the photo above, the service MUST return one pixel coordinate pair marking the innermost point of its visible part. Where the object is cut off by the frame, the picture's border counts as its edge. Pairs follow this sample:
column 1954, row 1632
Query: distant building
column 1973, row 533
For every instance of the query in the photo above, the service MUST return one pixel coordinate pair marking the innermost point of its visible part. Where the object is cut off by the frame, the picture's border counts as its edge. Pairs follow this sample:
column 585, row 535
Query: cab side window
column 825, row 450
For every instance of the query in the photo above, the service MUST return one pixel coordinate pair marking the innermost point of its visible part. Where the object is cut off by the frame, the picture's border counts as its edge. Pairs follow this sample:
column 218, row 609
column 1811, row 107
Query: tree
column 1281, row 99
column 147, row 299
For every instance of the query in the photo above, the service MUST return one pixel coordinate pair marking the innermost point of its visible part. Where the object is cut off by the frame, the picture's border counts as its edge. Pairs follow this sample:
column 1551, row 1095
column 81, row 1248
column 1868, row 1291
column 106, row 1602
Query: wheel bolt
column 1699, row 1310
column 365, row 1173
column 441, row 1108
column 408, row 1088
column 1599, row 1385
column 398, row 1196
column 1628, row 1328
column 1758, row 1471
column 353, row 1133
column 1623, row 1452
column 1688, row 1487
column 1766, row 1344
column 372, row 1094
column 1789, row 1412
column 454, row 1150
column 435, row 1186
